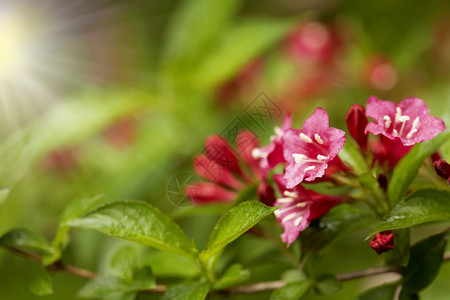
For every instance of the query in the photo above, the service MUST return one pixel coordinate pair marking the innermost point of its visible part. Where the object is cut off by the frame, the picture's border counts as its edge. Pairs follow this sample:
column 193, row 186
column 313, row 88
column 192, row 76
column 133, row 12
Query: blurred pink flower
column 310, row 150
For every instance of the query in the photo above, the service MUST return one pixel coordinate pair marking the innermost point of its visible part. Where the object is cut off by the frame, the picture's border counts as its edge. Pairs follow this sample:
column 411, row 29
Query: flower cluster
column 309, row 155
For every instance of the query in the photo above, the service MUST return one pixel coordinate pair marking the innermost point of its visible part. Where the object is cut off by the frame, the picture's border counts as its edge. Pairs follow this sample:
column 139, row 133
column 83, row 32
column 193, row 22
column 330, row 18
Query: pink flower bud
column 383, row 242
column 356, row 123
column 218, row 150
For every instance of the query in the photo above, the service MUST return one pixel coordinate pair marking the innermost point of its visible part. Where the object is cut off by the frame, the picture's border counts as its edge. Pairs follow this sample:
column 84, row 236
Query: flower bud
column 383, row 242
column 356, row 123
column 442, row 168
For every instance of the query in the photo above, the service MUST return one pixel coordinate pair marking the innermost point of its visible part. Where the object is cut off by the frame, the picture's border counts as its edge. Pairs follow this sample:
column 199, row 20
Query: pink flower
column 401, row 126
column 300, row 206
column 272, row 154
column 310, row 150
column 383, row 242
column 228, row 173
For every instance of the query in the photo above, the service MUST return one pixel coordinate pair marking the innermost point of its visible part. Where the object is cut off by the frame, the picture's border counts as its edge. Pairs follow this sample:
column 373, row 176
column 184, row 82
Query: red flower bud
column 442, row 168
column 266, row 193
column 211, row 170
column 356, row 123
column 218, row 150
column 205, row 192
column 383, row 242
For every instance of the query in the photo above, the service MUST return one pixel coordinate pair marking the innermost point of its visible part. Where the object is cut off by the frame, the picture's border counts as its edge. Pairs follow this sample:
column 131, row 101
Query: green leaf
column 143, row 279
column 187, row 291
column 123, row 263
column 234, row 275
column 419, row 207
column 75, row 209
column 351, row 156
column 238, row 47
column 424, row 263
column 327, row 284
column 167, row 264
column 23, row 238
column 101, row 286
column 338, row 222
column 385, row 292
column 42, row 285
column 138, row 222
column 408, row 167
column 233, row 224
column 291, row 291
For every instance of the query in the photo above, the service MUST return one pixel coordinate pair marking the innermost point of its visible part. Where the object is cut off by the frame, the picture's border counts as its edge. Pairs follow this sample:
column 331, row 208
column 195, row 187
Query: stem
column 243, row 289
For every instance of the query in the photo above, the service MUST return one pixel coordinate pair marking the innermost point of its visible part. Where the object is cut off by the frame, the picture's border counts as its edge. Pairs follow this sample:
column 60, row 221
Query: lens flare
column 50, row 49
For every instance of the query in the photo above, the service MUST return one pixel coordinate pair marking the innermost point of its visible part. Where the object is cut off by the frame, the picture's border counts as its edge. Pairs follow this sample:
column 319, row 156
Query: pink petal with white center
column 309, row 150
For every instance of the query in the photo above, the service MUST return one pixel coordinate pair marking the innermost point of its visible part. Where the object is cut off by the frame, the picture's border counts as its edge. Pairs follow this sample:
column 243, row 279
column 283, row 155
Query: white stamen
column 322, row 157
column 310, row 168
column 288, row 217
column 278, row 213
column 388, row 122
column 257, row 153
column 285, row 200
column 301, row 204
column 286, row 208
column 306, row 138
column 413, row 128
column 298, row 221
column 290, row 194
column 398, row 113
column 299, row 158
column 278, row 131
column 395, row 132
column 318, row 138
column 404, row 118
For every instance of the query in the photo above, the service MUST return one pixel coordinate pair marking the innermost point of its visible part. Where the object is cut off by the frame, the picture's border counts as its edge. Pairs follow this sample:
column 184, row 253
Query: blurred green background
column 116, row 97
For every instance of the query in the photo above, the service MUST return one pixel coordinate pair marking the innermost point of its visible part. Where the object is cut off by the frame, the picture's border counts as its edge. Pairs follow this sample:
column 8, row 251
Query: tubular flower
column 309, row 151
column 383, row 242
column 226, row 173
column 401, row 126
column 272, row 154
column 356, row 123
column 300, row 206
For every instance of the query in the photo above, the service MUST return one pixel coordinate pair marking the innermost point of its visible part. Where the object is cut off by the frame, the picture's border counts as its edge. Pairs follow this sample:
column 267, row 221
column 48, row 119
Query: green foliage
column 233, row 224
column 138, row 222
column 424, row 263
column 385, row 292
column 42, row 285
column 419, row 207
column 187, row 291
column 291, row 291
column 338, row 222
column 351, row 156
column 326, row 284
column 125, row 277
column 406, row 170
column 234, row 275
column 23, row 238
